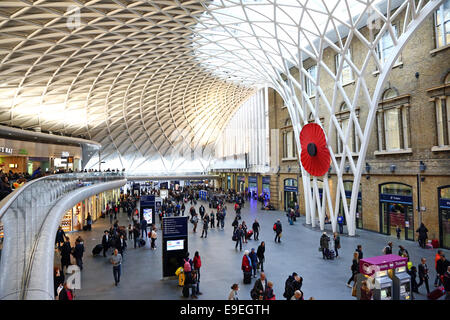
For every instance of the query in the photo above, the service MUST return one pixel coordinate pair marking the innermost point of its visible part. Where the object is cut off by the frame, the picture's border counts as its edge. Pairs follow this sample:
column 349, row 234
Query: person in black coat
column 260, row 254
column 259, row 289
column 105, row 242
column 423, row 235
column 442, row 265
column 423, row 274
column 78, row 253
column 66, row 250
column 121, row 244
column 255, row 227
column 60, row 235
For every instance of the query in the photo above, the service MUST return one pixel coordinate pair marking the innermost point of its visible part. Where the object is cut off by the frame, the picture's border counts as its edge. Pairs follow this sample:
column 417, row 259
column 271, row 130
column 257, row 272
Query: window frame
column 442, row 35
column 337, row 57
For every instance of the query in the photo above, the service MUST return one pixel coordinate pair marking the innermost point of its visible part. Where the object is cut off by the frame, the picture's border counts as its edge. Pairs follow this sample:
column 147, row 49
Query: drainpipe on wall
column 418, row 198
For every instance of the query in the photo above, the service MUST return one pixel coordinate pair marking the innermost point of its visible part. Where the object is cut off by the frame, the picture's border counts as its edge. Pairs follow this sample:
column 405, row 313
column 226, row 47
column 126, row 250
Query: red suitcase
column 435, row 243
column 249, row 234
column 436, row 294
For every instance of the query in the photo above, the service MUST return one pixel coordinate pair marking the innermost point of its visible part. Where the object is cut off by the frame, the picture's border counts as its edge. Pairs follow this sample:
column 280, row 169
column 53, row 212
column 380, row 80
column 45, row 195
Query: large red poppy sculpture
column 315, row 155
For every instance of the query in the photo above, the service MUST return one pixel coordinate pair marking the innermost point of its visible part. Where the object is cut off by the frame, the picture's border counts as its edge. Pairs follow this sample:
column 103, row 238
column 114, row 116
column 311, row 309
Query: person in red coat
column 197, row 261
column 246, row 262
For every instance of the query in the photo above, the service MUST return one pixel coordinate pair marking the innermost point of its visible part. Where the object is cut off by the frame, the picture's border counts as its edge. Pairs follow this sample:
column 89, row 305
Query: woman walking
column 354, row 268
column 337, row 243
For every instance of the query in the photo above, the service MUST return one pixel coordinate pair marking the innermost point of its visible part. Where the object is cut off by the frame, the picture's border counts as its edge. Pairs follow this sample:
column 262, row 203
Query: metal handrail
column 10, row 198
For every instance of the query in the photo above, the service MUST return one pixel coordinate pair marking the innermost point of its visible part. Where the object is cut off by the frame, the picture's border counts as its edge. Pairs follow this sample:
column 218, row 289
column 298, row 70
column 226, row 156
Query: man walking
column 255, row 227
column 105, row 242
column 423, row 274
column 278, row 229
column 260, row 254
column 340, row 221
column 116, row 261
column 144, row 228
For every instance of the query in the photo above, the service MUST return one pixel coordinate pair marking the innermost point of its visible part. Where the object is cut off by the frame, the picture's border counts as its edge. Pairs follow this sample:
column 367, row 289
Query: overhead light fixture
column 393, row 167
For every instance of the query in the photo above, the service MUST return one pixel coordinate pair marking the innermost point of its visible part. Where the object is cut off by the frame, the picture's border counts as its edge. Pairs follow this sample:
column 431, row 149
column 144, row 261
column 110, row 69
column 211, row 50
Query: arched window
column 344, row 118
column 289, row 150
column 288, row 122
column 442, row 107
column 389, row 94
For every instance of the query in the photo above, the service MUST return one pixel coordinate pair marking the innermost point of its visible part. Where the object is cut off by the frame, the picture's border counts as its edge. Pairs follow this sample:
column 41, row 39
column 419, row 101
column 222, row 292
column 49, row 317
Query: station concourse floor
column 298, row 252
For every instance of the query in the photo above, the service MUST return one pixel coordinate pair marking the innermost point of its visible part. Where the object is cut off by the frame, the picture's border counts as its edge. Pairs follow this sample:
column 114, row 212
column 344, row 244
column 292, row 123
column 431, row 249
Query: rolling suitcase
column 247, row 277
column 97, row 249
column 436, row 293
column 249, row 234
column 330, row 254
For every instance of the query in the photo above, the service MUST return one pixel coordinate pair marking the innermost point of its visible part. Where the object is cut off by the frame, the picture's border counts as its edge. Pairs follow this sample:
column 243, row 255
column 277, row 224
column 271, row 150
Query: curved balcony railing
column 23, row 214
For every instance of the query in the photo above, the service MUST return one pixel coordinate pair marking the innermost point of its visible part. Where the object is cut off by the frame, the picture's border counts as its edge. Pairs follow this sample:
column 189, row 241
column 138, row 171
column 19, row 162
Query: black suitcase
column 186, row 291
column 85, row 228
column 141, row 242
column 330, row 254
column 97, row 249
column 247, row 277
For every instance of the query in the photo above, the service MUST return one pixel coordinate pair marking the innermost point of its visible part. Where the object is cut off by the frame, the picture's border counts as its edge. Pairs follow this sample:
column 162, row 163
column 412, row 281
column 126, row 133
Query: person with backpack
column 278, row 229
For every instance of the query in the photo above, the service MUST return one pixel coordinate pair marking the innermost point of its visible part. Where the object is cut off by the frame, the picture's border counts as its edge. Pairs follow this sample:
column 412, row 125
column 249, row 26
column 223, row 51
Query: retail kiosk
column 379, row 272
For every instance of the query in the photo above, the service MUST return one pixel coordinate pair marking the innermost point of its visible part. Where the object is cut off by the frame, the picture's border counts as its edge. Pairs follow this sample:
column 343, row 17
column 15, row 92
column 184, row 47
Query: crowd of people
column 253, row 260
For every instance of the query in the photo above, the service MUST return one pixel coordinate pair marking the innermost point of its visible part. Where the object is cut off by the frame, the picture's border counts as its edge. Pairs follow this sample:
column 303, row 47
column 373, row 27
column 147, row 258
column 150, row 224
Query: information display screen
column 148, row 215
column 175, row 245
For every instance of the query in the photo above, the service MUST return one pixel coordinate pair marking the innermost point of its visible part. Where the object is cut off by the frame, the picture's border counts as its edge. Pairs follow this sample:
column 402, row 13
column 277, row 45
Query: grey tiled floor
column 298, row 251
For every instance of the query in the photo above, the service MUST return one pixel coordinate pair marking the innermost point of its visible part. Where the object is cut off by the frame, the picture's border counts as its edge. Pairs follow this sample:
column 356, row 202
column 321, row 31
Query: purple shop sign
column 371, row 265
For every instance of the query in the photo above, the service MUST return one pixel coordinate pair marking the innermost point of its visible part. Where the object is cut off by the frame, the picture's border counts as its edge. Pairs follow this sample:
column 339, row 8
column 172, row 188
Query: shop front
column 266, row 188
column 75, row 218
column 253, row 186
column 444, row 216
column 290, row 193
column 241, row 184
column 24, row 156
column 396, row 209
